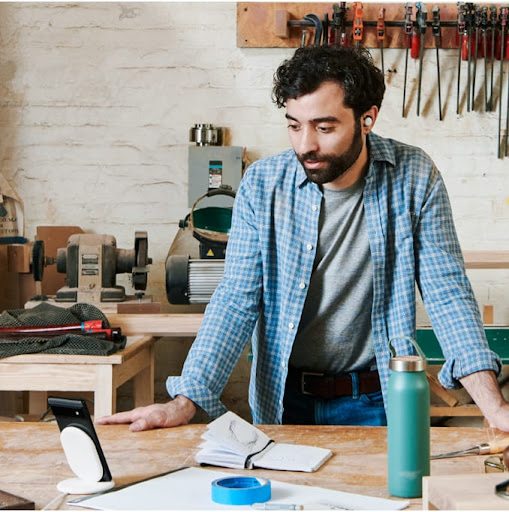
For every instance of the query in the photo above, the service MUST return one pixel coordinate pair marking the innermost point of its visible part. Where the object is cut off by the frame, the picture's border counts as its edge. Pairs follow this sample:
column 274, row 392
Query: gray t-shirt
column 334, row 334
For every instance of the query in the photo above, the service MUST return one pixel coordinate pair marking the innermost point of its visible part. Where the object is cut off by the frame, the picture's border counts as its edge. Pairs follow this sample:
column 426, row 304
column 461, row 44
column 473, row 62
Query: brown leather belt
column 332, row 386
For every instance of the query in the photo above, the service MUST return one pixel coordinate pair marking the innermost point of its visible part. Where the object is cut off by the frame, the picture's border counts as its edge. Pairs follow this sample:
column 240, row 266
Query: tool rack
column 280, row 25
column 463, row 26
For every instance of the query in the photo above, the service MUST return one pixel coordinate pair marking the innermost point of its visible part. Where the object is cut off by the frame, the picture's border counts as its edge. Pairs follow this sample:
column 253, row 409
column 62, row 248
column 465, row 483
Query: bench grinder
column 91, row 263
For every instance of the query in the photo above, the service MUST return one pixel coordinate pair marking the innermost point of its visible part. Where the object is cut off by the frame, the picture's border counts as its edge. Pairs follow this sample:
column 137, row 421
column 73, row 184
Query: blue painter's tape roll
column 240, row 490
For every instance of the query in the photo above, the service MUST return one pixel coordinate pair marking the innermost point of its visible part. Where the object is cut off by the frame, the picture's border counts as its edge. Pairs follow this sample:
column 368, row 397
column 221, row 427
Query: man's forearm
column 187, row 407
column 484, row 389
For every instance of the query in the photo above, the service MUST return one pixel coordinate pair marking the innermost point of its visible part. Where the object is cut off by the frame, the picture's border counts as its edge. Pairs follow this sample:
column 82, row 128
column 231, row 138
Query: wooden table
column 40, row 373
column 29, row 450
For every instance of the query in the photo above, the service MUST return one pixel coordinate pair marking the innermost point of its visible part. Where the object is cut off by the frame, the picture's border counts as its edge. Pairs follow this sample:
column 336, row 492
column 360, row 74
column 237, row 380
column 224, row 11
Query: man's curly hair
column 351, row 68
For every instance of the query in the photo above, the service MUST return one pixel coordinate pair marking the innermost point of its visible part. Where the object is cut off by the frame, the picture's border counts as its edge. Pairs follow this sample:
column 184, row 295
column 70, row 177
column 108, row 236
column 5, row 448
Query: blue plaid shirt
column 269, row 261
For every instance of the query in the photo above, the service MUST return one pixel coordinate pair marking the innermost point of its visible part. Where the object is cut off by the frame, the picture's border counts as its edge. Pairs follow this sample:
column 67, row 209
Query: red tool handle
column 464, row 47
column 498, row 46
column 87, row 326
column 380, row 25
column 416, row 44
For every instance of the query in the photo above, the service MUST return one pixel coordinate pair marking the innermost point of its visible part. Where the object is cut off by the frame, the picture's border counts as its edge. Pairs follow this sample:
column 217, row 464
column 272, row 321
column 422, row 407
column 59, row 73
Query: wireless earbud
column 368, row 121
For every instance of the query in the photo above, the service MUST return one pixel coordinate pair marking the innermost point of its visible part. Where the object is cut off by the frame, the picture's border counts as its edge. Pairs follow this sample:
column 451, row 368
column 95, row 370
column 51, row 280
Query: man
column 327, row 243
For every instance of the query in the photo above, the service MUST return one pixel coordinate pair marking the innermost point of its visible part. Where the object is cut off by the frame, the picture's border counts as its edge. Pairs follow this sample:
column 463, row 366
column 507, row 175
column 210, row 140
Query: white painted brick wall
column 97, row 100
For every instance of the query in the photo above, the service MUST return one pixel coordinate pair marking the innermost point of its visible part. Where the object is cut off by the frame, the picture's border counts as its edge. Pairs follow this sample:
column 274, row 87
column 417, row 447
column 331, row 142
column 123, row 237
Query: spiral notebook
column 232, row 442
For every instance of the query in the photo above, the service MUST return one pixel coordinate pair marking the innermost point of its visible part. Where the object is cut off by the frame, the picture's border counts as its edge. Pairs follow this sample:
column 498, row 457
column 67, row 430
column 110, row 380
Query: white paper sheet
column 190, row 489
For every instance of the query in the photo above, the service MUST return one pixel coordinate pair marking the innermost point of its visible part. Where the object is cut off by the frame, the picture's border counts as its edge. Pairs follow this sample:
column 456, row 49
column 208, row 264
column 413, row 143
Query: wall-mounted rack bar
column 272, row 25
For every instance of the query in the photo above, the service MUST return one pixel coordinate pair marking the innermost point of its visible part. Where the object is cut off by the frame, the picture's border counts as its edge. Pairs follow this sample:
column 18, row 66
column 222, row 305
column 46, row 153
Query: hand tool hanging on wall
column 416, row 37
column 461, row 38
column 507, row 104
column 469, row 19
column 477, row 25
column 421, row 16
column 484, row 33
column 493, row 21
column 503, row 22
column 437, row 34
column 358, row 27
column 339, row 24
column 313, row 18
column 409, row 24
column 325, row 29
column 303, row 38
column 380, row 34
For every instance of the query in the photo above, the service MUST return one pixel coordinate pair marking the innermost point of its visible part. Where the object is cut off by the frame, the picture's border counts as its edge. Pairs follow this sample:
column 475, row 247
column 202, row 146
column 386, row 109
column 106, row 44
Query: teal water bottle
column 408, row 424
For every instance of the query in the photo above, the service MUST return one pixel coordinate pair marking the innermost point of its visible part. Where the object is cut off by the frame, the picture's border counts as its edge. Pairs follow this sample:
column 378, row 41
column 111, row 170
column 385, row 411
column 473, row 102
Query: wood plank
column 167, row 324
column 105, row 394
column 133, row 345
column 440, row 391
column 15, row 377
column 123, row 372
column 10, row 502
column 488, row 316
column 486, row 259
column 9, row 283
column 463, row 492
column 37, row 402
column 459, row 410
column 143, row 383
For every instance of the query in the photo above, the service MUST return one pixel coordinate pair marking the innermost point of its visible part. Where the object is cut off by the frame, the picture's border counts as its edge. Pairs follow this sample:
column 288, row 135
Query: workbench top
column 32, row 461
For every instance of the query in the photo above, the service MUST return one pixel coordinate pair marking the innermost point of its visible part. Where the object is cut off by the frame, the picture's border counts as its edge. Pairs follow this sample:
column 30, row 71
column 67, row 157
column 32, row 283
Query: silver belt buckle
column 303, row 376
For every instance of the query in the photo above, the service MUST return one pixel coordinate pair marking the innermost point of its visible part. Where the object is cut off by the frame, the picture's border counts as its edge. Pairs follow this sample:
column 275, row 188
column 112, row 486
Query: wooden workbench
column 32, row 461
column 103, row 375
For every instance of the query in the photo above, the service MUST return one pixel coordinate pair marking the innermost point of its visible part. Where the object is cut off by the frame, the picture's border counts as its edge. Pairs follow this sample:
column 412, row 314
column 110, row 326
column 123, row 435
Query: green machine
column 192, row 277
column 195, row 261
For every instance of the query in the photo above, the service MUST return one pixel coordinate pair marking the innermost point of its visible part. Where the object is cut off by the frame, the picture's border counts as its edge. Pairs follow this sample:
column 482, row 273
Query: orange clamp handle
column 358, row 26
column 464, row 47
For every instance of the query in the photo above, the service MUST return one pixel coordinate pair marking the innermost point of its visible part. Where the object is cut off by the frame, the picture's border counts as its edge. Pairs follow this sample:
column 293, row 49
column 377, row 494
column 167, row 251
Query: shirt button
column 309, row 247
column 283, row 364
column 302, row 286
column 314, row 207
column 291, row 325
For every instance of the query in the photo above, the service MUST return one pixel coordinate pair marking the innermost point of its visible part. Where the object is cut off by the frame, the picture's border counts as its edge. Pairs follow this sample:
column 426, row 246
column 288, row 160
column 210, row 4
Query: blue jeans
column 355, row 409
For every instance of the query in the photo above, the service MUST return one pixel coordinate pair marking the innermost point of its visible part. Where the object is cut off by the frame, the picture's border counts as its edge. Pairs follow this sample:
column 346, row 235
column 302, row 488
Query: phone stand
column 83, row 459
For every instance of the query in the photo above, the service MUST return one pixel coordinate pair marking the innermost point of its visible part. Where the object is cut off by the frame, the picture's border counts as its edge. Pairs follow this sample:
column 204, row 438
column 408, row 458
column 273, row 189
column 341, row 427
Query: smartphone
column 73, row 412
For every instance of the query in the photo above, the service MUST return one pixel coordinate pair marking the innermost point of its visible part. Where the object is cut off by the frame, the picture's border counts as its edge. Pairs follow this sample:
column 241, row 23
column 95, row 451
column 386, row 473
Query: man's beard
column 338, row 164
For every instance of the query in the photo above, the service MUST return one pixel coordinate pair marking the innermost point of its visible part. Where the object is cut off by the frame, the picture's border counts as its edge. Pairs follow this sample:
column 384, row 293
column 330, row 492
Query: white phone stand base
column 80, row 486
column 83, row 459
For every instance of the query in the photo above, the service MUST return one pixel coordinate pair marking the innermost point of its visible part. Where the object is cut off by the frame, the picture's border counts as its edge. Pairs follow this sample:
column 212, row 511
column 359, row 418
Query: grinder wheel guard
column 211, row 224
column 139, row 272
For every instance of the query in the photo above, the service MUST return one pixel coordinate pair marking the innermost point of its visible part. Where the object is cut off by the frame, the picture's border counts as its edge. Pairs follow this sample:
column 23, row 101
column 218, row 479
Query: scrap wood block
column 10, row 501
column 463, row 492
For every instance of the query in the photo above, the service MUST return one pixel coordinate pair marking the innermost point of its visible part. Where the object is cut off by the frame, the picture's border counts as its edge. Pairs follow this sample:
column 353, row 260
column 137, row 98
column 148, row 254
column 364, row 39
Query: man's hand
column 172, row 414
column 484, row 389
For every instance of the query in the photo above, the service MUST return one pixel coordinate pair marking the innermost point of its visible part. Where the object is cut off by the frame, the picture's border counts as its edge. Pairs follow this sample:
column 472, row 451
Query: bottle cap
column 407, row 364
